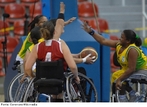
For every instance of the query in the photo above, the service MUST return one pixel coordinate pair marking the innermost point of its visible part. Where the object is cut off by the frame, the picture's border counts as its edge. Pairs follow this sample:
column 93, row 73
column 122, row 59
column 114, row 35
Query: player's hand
column 77, row 80
column 69, row 21
column 118, row 84
column 62, row 7
column 86, row 27
column 89, row 59
column 23, row 78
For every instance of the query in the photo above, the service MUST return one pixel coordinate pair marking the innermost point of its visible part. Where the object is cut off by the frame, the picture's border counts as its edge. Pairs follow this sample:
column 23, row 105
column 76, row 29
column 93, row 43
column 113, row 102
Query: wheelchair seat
column 49, row 77
column 137, row 78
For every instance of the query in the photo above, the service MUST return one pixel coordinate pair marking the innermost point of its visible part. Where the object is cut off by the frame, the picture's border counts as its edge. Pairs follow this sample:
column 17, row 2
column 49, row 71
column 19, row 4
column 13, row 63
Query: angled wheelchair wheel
column 29, row 93
column 83, row 92
column 16, row 89
column 140, row 88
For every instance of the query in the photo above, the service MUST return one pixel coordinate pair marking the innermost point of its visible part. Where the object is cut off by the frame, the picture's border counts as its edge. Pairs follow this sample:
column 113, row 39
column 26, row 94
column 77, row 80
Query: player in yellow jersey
column 36, row 37
column 129, row 55
column 38, row 21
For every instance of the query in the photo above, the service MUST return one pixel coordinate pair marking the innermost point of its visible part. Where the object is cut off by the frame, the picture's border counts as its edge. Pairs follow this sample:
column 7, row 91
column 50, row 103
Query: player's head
column 129, row 37
column 37, row 21
column 35, row 34
column 47, row 30
column 53, row 21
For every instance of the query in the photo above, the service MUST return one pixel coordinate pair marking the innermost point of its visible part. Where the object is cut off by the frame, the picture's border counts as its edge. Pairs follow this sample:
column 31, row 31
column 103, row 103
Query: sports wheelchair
column 51, row 79
column 137, row 81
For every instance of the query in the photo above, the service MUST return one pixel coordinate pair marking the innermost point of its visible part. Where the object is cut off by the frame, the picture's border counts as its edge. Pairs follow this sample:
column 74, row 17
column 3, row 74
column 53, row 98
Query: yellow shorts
column 116, row 75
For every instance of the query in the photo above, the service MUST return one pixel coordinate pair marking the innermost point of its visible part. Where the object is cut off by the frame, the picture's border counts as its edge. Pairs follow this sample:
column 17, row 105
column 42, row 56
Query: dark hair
column 35, row 34
column 53, row 21
column 132, row 37
column 47, row 30
column 35, row 20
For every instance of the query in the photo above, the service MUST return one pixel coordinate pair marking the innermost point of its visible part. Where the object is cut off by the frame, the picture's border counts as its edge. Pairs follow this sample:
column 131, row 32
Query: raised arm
column 60, row 22
column 98, row 37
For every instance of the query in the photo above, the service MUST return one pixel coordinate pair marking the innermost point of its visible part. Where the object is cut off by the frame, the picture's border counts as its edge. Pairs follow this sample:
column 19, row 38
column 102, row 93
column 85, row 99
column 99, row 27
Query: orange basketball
column 89, row 50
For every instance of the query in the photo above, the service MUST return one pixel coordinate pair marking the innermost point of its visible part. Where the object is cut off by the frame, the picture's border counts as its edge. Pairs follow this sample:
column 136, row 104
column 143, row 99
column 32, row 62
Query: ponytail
column 138, row 41
column 45, row 33
column 47, row 30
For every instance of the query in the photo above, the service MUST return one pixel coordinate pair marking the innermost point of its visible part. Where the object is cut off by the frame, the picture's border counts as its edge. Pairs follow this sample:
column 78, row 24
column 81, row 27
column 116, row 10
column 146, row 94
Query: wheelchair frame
column 70, row 94
column 139, row 85
column 86, row 94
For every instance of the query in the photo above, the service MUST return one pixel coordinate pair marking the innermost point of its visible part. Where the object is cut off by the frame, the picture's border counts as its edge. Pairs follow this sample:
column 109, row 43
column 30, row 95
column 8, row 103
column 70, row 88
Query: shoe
column 123, row 98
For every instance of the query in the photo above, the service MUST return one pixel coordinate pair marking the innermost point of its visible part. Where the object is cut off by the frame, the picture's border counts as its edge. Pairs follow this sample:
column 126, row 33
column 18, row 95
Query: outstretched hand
column 69, row 20
column 62, row 7
column 86, row 27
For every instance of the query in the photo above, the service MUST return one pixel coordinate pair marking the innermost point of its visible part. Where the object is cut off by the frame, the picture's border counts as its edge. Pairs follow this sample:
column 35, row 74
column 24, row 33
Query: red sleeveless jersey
column 50, row 50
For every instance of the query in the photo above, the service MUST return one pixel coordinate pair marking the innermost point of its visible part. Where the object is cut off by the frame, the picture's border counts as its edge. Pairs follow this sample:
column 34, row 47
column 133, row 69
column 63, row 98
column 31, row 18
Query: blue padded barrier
column 105, row 71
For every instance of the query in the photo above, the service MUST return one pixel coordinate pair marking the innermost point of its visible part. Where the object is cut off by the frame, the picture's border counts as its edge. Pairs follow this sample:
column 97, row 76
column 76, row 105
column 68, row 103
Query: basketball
column 89, row 50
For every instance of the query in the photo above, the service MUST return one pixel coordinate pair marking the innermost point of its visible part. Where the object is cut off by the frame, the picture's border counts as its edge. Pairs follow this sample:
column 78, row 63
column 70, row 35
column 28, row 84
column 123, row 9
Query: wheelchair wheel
column 32, row 95
column 140, row 92
column 83, row 92
column 17, row 89
column 29, row 93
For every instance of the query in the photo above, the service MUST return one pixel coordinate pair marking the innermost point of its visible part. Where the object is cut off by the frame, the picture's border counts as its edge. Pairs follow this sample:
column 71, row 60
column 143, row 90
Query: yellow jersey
column 123, row 57
column 31, row 47
column 123, row 60
column 25, row 46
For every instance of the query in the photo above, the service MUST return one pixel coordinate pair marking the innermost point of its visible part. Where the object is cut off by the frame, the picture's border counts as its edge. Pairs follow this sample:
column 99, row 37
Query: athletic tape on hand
column 93, row 58
column 87, row 56
column 84, row 59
